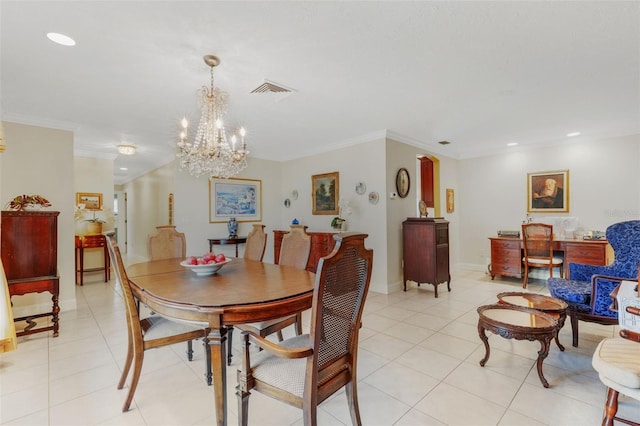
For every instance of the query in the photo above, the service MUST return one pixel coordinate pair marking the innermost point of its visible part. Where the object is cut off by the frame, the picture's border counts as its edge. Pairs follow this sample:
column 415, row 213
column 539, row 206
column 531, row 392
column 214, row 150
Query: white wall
column 604, row 180
column 40, row 161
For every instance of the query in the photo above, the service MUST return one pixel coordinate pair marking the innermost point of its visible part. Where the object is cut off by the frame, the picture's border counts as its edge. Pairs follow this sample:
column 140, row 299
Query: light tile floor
column 418, row 365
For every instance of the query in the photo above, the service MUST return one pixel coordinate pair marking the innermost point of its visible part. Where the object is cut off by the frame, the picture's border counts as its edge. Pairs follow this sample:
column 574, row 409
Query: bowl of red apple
column 205, row 265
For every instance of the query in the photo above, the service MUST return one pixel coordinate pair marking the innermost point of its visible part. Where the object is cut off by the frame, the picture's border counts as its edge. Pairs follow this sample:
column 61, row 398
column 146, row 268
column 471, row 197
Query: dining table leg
column 217, row 348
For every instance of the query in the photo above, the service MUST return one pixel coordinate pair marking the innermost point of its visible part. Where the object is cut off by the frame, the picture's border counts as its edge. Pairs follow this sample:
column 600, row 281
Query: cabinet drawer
column 506, row 269
column 504, row 244
column 589, row 254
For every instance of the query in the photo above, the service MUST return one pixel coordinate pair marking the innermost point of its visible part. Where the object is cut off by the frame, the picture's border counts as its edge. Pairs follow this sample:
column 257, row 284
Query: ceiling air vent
column 272, row 87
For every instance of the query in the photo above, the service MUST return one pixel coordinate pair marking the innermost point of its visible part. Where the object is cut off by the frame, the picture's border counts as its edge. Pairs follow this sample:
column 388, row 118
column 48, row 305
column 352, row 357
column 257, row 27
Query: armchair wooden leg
column 137, row 369
column 574, row 329
column 611, row 407
column 352, row 398
column 299, row 324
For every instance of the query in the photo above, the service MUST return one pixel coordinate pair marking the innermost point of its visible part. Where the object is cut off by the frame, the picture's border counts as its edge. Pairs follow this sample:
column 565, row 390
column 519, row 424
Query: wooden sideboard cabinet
column 29, row 247
column 425, row 252
column 506, row 254
column 322, row 244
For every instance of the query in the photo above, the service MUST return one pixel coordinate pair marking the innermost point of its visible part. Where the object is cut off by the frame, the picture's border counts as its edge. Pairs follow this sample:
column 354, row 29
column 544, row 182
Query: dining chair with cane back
column 305, row 370
column 167, row 243
column 617, row 359
column 537, row 239
column 253, row 250
column 294, row 251
column 256, row 243
column 151, row 332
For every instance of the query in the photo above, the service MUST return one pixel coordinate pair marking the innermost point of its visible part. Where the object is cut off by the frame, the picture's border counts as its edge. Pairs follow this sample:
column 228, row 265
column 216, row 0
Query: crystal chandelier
column 212, row 152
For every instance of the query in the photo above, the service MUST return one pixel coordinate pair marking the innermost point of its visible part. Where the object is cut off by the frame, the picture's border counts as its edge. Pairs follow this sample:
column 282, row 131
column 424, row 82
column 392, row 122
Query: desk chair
column 306, row 370
column 144, row 333
column 588, row 288
column 294, row 251
column 254, row 250
column 537, row 239
column 617, row 360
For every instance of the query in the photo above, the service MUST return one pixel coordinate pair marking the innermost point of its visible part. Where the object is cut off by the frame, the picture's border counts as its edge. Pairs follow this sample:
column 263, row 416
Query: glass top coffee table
column 550, row 305
column 520, row 323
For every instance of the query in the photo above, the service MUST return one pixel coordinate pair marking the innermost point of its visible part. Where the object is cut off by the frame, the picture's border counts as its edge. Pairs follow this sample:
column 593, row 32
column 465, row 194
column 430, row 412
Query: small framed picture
column 548, row 192
column 91, row 201
column 237, row 198
column 325, row 190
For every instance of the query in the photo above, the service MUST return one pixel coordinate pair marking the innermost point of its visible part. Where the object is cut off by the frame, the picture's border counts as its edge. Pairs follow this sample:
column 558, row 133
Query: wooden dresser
column 322, row 244
column 29, row 246
column 506, row 254
column 425, row 251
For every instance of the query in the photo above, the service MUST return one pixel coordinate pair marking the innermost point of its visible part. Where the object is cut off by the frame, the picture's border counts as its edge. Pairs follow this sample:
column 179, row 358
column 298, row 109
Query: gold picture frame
column 548, row 192
column 91, row 200
column 325, row 190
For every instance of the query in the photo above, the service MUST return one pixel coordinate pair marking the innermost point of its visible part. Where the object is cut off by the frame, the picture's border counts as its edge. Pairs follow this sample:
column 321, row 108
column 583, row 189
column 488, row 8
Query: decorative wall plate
column 374, row 197
column 361, row 188
column 287, row 203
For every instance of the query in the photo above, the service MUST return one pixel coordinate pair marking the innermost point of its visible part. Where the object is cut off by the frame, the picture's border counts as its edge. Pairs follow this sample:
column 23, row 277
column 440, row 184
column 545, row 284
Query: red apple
column 220, row 258
column 192, row 260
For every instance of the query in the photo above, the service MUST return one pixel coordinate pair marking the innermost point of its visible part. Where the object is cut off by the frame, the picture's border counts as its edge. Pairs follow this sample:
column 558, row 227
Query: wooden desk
column 226, row 241
column 242, row 291
column 506, row 254
column 90, row 242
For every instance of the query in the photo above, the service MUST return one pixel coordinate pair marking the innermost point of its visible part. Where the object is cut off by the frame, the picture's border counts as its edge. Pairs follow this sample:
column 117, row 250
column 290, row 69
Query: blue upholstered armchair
column 587, row 291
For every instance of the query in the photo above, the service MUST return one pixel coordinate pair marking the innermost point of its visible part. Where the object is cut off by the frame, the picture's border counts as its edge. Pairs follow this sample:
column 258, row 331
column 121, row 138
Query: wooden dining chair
column 147, row 333
column 305, row 370
column 253, row 250
column 294, row 251
column 256, row 243
column 167, row 243
column 537, row 239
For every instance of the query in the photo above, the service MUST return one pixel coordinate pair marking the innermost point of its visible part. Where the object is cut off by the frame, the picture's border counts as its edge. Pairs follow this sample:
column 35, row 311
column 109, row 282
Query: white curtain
column 7, row 327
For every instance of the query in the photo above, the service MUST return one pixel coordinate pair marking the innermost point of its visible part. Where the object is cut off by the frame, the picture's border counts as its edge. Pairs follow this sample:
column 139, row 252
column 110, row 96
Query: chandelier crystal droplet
column 215, row 151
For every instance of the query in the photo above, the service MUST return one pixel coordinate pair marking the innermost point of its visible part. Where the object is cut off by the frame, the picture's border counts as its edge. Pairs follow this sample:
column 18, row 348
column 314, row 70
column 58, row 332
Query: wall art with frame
column 91, row 200
column 237, row 198
column 548, row 192
column 325, row 190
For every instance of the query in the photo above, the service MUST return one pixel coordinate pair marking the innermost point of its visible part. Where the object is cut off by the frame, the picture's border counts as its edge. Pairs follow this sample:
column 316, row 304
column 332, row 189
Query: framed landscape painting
column 238, row 198
column 325, row 190
column 91, row 200
column 548, row 192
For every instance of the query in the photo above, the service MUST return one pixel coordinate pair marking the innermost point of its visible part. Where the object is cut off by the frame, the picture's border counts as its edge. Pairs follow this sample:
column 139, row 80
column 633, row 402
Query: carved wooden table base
column 515, row 322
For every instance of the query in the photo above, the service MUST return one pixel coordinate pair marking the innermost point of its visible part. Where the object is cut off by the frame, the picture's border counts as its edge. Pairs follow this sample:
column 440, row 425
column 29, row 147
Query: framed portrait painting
column 325, row 190
column 237, row 198
column 90, row 200
column 548, row 192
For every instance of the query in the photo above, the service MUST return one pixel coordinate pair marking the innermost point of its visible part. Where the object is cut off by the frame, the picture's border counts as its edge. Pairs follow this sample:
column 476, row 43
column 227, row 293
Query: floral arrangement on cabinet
column 339, row 223
column 94, row 219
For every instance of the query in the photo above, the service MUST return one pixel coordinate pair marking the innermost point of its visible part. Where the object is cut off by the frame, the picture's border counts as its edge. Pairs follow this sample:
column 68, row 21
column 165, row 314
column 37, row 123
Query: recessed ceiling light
column 512, row 144
column 61, row 39
column 573, row 134
column 123, row 168
column 126, row 149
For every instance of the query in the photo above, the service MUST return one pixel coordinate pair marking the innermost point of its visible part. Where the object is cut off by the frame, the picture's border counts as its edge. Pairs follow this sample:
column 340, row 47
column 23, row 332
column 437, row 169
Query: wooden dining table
column 242, row 291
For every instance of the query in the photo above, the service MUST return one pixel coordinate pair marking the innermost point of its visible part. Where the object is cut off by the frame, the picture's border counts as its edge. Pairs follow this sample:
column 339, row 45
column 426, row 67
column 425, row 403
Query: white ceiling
column 478, row 74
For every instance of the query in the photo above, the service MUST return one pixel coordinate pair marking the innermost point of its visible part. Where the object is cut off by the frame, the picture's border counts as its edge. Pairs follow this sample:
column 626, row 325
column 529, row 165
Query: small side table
column 515, row 322
column 550, row 305
column 226, row 241
column 91, row 241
